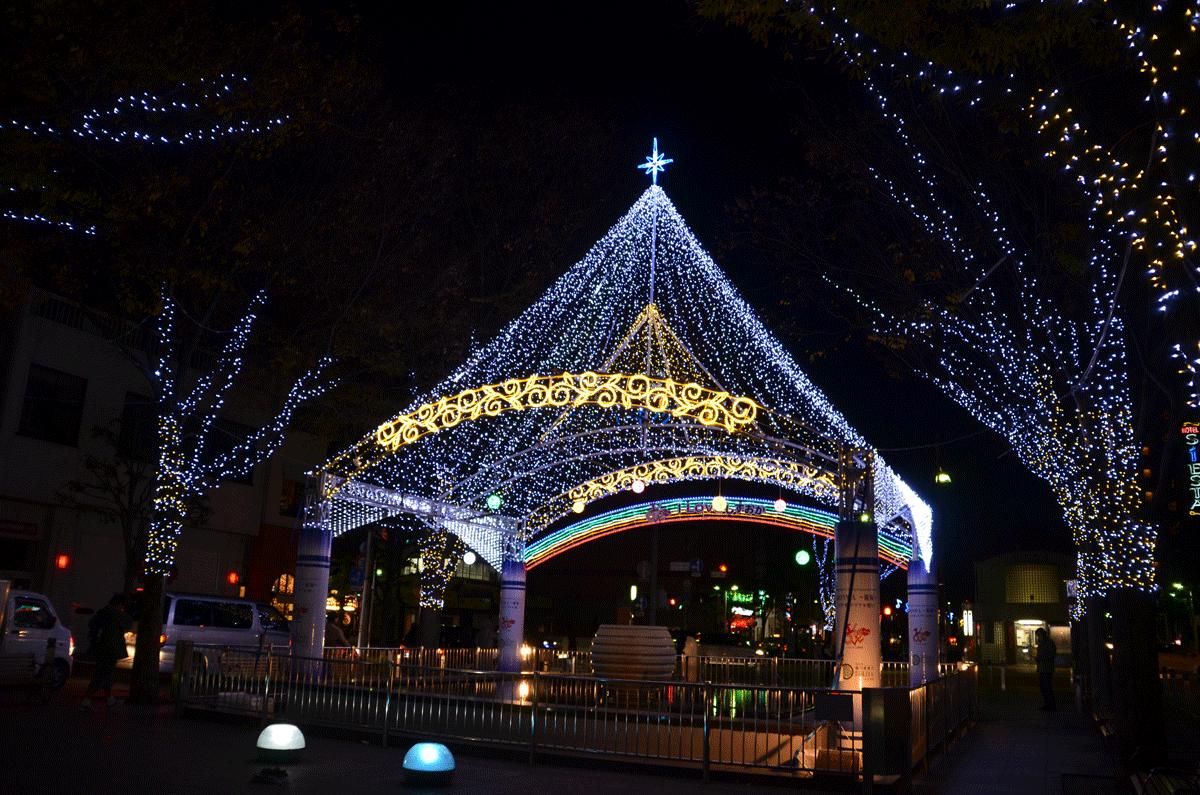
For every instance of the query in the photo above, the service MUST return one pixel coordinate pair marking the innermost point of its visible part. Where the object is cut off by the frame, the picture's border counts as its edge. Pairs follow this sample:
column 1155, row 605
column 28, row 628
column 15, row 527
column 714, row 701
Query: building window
column 138, row 438
column 291, row 498
column 1027, row 583
column 53, row 407
column 282, row 594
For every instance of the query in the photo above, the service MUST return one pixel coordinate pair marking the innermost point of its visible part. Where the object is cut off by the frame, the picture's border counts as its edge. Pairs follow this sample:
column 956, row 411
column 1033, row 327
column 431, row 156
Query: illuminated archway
column 893, row 549
column 790, row 474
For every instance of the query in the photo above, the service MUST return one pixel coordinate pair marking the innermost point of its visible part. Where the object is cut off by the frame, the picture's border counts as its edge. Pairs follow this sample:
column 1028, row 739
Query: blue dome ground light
column 428, row 765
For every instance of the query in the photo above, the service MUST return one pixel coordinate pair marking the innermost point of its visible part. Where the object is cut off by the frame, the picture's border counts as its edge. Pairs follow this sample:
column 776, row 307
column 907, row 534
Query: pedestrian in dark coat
column 106, row 636
column 1046, row 652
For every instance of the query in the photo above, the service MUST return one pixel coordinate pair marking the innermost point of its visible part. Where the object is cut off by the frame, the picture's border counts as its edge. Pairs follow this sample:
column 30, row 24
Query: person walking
column 1046, row 652
column 334, row 637
column 106, row 636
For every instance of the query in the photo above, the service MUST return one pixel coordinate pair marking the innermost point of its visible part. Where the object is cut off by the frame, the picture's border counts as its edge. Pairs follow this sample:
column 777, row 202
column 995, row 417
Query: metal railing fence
column 742, row 670
column 768, row 727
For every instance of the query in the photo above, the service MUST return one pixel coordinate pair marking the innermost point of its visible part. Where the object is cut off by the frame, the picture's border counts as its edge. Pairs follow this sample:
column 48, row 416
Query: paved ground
column 1014, row 748
column 57, row 748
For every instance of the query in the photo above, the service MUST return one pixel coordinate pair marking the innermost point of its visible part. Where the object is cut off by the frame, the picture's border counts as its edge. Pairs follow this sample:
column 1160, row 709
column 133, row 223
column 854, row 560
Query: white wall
column 33, row 475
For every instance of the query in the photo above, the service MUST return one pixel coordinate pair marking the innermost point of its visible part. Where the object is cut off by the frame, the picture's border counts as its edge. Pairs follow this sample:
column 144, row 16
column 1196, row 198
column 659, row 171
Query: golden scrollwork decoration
column 606, row 390
column 795, row 475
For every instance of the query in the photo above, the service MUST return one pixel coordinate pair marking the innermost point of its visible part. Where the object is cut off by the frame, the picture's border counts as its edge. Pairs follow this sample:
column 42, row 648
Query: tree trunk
column 133, row 567
column 431, row 627
column 143, row 685
column 1098, row 658
column 1137, row 692
column 1081, row 666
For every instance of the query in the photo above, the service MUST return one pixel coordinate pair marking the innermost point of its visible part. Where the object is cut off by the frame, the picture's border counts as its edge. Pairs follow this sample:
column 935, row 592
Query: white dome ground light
column 280, row 742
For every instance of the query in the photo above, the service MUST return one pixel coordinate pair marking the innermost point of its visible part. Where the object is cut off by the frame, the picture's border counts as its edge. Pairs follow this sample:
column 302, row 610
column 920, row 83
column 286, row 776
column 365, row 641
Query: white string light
column 1056, row 389
column 1135, row 205
column 187, row 466
column 188, row 114
column 597, row 318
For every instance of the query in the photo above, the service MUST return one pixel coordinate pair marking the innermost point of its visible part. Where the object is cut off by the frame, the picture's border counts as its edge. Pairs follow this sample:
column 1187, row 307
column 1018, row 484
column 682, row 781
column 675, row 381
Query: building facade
column 1015, row 595
column 63, row 380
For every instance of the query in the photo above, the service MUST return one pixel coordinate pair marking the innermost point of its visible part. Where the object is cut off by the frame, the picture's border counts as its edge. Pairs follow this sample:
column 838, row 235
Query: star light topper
column 655, row 163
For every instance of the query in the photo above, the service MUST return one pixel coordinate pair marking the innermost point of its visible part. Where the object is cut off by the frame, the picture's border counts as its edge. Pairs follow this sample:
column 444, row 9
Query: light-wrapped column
column 856, row 622
column 311, row 590
column 512, row 613
column 922, row 623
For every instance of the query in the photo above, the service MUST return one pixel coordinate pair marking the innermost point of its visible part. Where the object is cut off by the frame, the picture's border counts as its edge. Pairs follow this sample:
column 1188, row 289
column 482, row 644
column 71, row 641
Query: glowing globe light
column 578, row 506
column 428, row 764
column 469, row 558
column 719, row 504
column 280, row 742
column 864, row 517
column 639, row 486
column 780, row 505
column 494, row 502
column 942, row 478
column 802, row 557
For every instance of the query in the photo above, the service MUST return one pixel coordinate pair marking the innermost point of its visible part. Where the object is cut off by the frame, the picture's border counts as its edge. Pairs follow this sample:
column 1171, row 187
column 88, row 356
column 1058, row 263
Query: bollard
column 182, row 676
column 387, row 700
column 48, row 668
column 265, row 716
column 707, row 731
column 533, row 718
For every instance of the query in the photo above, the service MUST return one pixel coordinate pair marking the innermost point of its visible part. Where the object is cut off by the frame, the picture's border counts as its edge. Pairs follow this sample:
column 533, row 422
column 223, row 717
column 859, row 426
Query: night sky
column 736, row 116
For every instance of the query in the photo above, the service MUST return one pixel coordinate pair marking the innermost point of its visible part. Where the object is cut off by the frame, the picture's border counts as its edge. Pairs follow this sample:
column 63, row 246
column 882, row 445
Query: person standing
column 106, row 634
column 1046, row 652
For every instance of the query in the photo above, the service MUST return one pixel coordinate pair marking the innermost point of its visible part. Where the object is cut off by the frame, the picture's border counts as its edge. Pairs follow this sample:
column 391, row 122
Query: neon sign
column 1191, row 441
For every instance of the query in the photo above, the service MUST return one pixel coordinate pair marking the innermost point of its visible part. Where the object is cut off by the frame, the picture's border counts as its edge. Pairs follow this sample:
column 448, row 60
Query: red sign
column 855, row 635
column 23, row 529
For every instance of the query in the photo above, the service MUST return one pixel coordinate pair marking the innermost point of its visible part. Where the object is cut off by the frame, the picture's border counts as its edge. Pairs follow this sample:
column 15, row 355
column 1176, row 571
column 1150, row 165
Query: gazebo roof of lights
column 640, row 363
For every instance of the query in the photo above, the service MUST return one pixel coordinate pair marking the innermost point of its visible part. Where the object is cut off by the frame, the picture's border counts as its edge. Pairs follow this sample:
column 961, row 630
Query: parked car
column 27, row 621
column 214, row 621
column 1175, row 660
column 718, row 644
column 773, row 646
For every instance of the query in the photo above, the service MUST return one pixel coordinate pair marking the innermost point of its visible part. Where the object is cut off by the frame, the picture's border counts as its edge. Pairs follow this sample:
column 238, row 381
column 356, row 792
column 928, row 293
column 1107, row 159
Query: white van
column 27, row 621
column 214, row 621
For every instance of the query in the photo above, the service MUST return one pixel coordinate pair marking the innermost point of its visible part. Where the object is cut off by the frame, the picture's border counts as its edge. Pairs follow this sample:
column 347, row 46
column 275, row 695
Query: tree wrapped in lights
column 1052, row 377
column 1130, row 143
column 190, row 462
column 1056, row 389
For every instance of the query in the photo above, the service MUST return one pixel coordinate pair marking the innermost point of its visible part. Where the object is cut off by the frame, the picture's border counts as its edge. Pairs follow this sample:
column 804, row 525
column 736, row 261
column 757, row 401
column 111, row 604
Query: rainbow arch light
column 893, row 548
